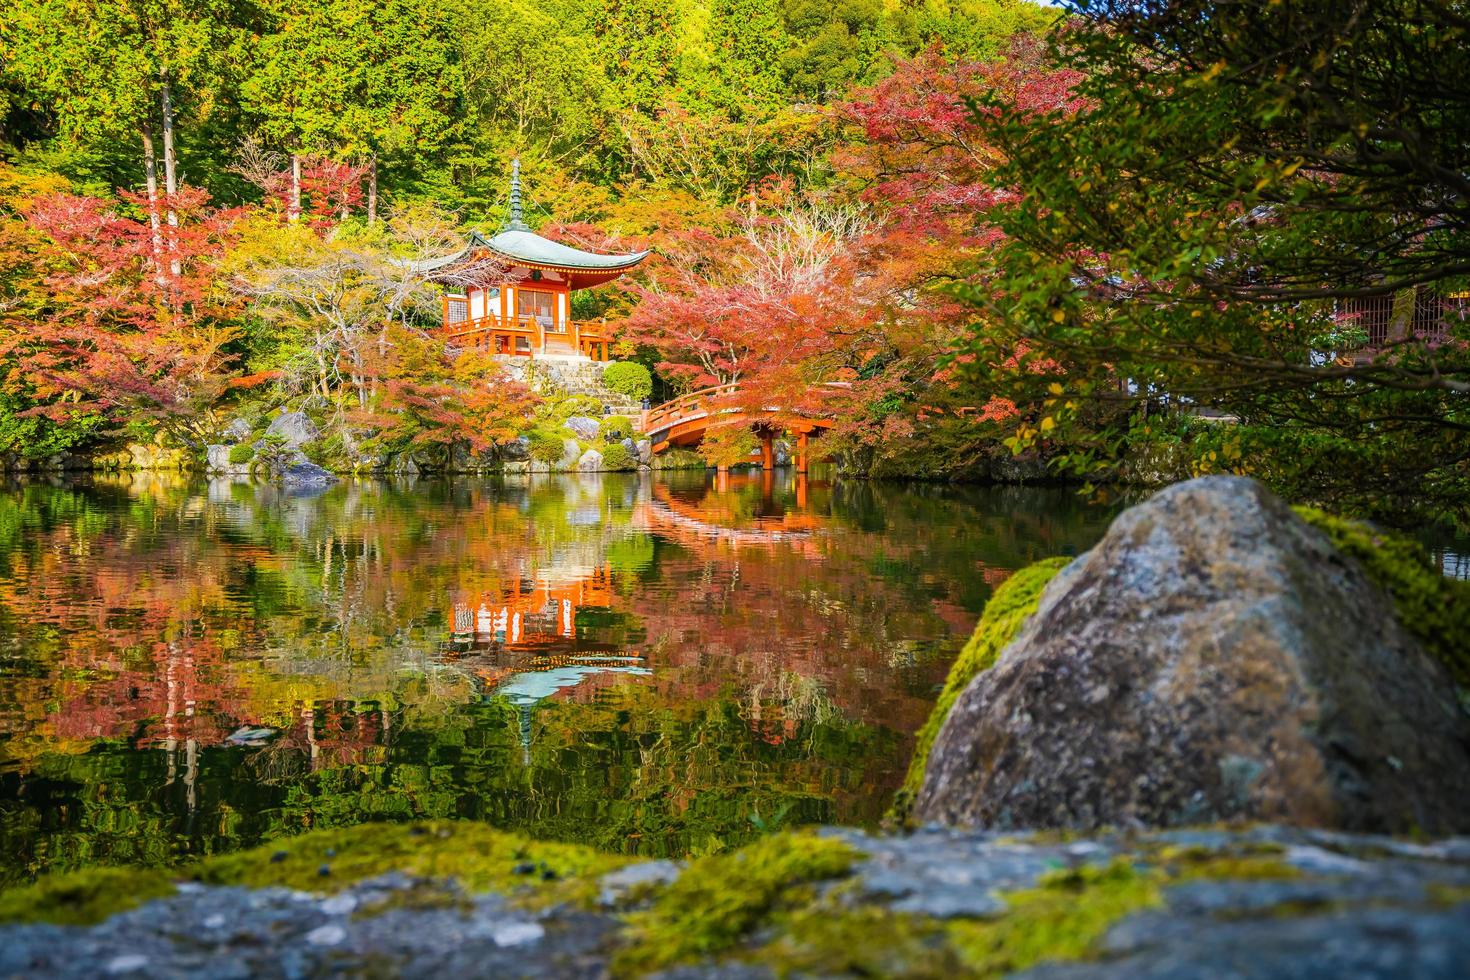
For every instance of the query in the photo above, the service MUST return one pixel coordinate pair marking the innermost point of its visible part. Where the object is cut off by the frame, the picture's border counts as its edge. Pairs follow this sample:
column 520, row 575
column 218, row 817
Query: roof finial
column 516, row 223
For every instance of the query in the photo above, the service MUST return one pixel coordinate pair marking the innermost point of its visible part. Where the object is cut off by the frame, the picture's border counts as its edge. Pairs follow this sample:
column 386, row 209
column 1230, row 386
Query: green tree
column 1236, row 181
column 353, row 79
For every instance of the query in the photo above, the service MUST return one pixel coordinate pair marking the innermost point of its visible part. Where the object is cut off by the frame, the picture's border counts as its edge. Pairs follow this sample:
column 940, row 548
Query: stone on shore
column 294, row 427
column 1213, row 658
column 306, row 476
column 590, row 462
column 585, row 427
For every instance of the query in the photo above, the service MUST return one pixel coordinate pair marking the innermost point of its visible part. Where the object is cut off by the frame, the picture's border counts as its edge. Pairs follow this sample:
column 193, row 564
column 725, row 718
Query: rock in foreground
column 1213, row 657
column 1263, row 902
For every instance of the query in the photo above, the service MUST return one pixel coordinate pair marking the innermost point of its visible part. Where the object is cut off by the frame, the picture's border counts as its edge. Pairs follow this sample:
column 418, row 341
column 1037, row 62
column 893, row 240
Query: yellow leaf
column 1048, row 423
column 1054, row 388
column 1058, row 316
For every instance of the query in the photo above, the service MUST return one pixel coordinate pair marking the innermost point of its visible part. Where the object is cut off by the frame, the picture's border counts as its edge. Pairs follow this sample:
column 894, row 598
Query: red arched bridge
column 684, row 421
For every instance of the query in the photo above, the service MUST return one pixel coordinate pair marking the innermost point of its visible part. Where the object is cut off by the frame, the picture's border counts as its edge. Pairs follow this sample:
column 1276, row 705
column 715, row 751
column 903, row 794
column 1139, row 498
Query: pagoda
column 529, row 312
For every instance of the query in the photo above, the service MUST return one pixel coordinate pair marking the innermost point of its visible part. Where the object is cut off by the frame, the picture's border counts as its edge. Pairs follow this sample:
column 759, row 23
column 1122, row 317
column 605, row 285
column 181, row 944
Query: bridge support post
column 801, row 452
column 768, row 453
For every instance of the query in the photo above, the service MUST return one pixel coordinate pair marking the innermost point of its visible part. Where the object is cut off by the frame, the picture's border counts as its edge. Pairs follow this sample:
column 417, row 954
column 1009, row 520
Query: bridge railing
column 685, row 406
column 705, row 402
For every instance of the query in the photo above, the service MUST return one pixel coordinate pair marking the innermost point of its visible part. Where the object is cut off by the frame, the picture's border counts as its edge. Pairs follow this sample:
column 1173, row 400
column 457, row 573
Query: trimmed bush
column 616, row 428
column 617, row 457
column 628, row 378
column 243, row 453
column 546, row 447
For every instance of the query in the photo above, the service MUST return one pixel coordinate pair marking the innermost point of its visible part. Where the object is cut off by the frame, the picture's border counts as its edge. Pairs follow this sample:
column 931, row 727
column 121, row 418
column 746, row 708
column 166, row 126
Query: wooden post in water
column 801, row 452
column 768, row 452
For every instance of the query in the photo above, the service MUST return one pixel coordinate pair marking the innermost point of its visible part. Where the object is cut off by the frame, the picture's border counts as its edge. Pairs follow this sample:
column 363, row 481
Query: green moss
column 1060, row 919
column 1009, row 608
column 83, row 897
column 720, row 899
column 242, row 453
column 479, row 857
column 833, row 937
column 1433, row 608
column 1445, row 895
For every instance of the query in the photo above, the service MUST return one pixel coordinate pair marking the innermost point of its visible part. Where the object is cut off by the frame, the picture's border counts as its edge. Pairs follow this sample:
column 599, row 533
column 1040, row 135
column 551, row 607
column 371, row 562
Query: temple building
column 528, row 310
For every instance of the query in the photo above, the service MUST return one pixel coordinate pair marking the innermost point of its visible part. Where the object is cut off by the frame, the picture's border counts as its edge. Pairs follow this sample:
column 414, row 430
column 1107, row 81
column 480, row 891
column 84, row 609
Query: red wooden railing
column 708, row 401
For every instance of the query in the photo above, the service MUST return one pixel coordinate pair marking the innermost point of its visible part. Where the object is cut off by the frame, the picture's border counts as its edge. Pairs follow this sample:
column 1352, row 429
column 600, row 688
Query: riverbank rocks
column 590, row 462
column 217, row 461
column 294, row 427
column 306, row 477
column 1214, row 657
column 586, row 428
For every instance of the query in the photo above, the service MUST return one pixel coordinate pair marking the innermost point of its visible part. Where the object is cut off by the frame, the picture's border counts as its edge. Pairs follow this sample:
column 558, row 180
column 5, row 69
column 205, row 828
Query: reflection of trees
column 149, row 619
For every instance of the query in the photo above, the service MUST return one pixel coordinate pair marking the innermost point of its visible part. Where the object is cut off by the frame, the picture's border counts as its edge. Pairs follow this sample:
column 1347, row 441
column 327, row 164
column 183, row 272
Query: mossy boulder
column 1434, row 608
column 1013, row 602
column 1214, row 657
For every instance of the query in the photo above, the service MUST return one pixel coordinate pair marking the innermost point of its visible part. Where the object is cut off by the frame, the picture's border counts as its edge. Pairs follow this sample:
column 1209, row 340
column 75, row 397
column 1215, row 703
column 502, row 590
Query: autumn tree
column 437, row 401
column 112, row 337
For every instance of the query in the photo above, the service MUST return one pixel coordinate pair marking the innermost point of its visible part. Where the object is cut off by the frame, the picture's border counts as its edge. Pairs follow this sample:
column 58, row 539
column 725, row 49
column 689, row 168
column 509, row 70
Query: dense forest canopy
column 1129, row 240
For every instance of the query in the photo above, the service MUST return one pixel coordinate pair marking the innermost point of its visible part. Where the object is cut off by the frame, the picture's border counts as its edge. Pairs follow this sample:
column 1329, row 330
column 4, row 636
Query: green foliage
column 1435, row 609
column 32, row 437
column 615, row 428
column 1004, row 615
column 1198, row 227
column 273, row 455
column 242, row 453
column 616, row 457
column 628, row 378
column 577, row 405
column 721, row 899
column 546, row 445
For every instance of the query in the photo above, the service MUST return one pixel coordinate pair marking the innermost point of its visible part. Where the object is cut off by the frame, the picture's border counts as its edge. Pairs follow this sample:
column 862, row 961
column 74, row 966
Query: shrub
column 546, row 446
column 578, row 405
column 243, row 453
column 628, row 378
column 616, row 428
column 617, row 457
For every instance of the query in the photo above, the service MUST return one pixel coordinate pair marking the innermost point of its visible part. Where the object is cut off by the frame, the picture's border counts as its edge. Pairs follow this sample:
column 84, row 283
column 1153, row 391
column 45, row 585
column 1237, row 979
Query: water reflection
column 643, row 665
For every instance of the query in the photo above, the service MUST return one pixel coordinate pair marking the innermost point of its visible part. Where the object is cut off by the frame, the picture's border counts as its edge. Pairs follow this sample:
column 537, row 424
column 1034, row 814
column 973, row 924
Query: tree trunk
column 150, row 176
column 293, row 210
column 170, row 173
column 372, row 204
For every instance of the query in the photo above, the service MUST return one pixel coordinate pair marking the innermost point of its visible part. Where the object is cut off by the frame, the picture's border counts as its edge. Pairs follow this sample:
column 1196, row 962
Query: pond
column 661, row 665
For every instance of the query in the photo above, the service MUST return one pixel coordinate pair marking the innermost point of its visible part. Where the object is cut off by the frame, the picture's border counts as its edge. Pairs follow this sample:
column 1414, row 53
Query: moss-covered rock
column 721, row 899
column 479, row 857
column 1434, row 608
column 1007, row 610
